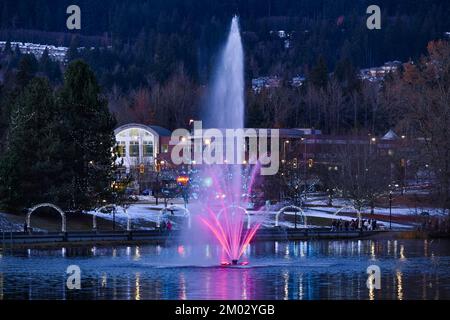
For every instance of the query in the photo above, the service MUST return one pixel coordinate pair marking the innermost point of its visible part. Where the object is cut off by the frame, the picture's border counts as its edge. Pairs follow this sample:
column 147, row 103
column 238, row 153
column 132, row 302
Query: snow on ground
column 7, row 226
column 142, row 214
column 320, row 202
column 317, row 214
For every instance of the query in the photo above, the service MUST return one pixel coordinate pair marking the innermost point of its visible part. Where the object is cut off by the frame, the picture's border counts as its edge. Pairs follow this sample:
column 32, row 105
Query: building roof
column 390, row 135
column 157, row 130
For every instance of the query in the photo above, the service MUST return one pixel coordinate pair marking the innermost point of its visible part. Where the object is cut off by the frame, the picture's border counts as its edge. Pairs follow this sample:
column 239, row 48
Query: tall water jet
column 226, row 101
column 223, row 207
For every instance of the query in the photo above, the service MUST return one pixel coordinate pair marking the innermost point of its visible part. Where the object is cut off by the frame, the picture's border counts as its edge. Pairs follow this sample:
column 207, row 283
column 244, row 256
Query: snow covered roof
column 390, row 135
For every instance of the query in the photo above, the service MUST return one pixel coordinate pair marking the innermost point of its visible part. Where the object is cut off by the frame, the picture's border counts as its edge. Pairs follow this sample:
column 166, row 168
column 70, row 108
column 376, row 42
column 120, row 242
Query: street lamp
column 284, row 148
column 304, row 169
column 390, row 209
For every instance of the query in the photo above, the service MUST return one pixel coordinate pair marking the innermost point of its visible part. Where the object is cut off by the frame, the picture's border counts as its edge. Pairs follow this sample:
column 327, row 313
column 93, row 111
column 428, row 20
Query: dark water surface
column 410, row 269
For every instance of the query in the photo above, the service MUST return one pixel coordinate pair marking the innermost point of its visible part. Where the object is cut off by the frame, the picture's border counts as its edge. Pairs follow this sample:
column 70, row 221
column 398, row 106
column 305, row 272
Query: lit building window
column 121, row 149
column 134, row 148
column 148, row 149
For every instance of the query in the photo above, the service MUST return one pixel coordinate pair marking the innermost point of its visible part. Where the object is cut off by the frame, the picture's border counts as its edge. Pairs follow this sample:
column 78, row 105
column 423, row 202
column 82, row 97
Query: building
column 377, row 74
column 141, row 146
column 144, row 151
column 298, row 81
column 265, row 82
column 54, row 52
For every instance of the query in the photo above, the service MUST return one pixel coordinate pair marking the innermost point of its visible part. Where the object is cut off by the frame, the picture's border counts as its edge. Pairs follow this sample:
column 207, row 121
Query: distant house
column 54, row 53
column 376, row 74
column 298, row 81
column 265, row 82
column 285, row 36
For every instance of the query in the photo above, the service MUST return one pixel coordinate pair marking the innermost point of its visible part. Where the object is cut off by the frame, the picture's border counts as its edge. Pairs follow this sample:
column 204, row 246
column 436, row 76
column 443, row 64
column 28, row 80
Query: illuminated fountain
column 223, row 207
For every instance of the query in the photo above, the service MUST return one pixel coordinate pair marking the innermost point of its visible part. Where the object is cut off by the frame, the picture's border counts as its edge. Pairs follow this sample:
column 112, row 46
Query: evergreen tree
column 28, row 66
column 7, row 50
column 30, row 166
column 319, row 74
column 87, row 131
column 49, row 68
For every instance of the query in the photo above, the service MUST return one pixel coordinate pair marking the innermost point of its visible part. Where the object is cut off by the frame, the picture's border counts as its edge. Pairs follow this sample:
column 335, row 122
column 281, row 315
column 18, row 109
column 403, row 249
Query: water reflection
column 1, row 286
column 137, row 291
column 412, row 269
column 399, row 277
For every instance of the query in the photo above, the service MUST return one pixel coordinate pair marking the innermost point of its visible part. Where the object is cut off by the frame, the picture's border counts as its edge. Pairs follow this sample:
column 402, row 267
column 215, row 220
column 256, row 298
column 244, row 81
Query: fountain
column 223, row 207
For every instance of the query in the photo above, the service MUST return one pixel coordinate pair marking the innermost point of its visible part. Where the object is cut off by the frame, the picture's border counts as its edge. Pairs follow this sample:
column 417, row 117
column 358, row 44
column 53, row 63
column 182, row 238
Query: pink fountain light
column 225, row 214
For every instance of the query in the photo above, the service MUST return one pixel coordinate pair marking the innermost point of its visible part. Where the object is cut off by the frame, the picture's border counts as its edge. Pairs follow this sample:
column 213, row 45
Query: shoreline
column 61, row 240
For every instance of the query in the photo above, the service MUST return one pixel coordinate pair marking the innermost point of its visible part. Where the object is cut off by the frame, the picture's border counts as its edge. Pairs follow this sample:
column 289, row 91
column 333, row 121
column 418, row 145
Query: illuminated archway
column 239, row 208
column 358, row 213
column 293, row 208
column 47, row 205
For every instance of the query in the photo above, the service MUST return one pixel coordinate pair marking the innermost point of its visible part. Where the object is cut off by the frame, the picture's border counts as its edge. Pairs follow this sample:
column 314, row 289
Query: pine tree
column 28, row 66
column 29, row 168
column 87, row 131
column 319, row 74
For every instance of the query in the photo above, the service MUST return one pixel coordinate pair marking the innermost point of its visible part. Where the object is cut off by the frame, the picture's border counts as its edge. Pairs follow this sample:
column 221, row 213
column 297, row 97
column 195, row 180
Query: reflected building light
column 29, row 253
column 94, row 250
column 137, row 253
column 395, row 248
column 371, row 292
column 399, row 276
column 359, row 247
column 114, row 253
column 302, row 249
column 183, row 295
column 114, row 285
column 63, row 252
column 402, row 252
column 372, row 250
column 1, row 286
column 300, row 286
column 128, row 288
column 128, row 251
column 276, row 247
column 389, row 247
column 158, row 249
column 137, row 284
column 208, row 251
column 295, row 250
column 286, row 285
column 104, row 280
column 286, row 251
column 425, row 248
column 244, row 286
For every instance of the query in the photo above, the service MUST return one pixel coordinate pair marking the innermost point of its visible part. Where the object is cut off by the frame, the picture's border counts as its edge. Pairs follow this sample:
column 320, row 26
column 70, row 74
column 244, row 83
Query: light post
column 304, row 169
column 295, row 219
column 114, row 219
column 284, row 148
column 390, row 209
